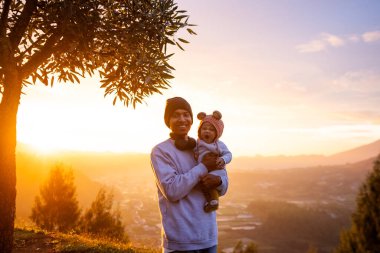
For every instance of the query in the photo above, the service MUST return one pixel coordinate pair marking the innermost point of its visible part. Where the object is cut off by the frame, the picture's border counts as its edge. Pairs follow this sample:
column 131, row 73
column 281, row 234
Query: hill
column 318, row 184
column 287, row 210
column 356, row 154
column 323, row 194
column 98, row 165
column 282, row 162
column 28, row 240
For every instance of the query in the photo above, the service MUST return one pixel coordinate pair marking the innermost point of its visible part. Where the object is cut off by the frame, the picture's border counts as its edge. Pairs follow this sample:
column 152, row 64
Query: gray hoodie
column 185, row 225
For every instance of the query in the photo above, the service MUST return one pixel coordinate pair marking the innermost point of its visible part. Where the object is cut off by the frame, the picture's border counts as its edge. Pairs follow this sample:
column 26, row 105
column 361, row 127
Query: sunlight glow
column 284, row 86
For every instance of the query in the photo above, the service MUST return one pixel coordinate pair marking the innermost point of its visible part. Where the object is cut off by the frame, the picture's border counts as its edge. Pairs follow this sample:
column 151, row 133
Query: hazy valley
column 283, row 204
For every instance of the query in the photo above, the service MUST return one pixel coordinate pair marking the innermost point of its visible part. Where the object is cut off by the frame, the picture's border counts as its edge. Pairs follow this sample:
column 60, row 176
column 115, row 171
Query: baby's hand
column 220, row 163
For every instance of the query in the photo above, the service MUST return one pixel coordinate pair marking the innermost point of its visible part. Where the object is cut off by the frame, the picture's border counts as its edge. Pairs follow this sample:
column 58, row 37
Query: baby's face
column 207, row 132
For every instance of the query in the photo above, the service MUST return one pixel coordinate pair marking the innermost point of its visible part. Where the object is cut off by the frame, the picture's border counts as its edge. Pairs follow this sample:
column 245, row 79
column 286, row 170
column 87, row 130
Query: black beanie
column 173, row 104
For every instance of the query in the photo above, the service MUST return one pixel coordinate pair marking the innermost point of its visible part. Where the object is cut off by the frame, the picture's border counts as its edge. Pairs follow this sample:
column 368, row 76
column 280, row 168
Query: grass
column 32, row 239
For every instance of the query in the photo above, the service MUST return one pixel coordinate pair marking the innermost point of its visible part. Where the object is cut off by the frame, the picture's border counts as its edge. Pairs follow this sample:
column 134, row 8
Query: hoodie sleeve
column 172, row 184
column 225, row 152
column 223, row 187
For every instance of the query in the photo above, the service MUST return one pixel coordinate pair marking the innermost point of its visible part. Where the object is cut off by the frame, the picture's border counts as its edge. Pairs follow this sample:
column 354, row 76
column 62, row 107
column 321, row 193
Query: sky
column 289, row 77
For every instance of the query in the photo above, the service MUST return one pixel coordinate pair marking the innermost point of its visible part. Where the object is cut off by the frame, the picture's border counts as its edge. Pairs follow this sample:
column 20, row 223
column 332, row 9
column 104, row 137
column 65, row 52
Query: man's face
column 180, row 122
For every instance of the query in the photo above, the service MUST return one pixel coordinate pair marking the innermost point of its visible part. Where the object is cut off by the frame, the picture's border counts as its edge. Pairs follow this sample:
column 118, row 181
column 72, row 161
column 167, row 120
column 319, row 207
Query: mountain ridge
column 139, row 161
column 353, row 155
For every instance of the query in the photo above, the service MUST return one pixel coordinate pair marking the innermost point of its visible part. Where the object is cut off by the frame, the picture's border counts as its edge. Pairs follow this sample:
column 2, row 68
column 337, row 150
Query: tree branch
column 31, row 47
column 4, row 17
column 22, row 22
column 52, row 45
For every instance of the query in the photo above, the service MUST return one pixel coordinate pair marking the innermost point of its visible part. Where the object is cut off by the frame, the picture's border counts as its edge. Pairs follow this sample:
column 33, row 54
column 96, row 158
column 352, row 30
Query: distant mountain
column 99, row 165
column 96, row 165
column 275, row 162
column 356, row 154
column 360, row 153
column 331, row 183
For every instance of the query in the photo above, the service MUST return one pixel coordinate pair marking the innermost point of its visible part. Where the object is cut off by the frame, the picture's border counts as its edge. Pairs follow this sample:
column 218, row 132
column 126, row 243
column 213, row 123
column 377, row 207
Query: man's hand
column 220, row 163
column 210, row 181
column 209, row 160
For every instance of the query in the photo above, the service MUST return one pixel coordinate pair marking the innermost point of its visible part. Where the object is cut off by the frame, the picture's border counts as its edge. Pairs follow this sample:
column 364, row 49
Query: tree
column 364, row 234
column 101, row 220
column 56, row 209
column 251, row 248
column 312, row 249
column 241, row 248
column 124, row 41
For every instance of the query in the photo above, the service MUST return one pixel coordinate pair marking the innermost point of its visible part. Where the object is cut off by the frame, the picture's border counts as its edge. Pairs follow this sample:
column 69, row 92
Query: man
column 186, row 227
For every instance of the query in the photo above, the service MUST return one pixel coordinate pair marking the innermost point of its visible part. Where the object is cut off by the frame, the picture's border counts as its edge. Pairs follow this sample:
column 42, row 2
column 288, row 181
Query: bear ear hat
column 201, row 115
column 217, row 115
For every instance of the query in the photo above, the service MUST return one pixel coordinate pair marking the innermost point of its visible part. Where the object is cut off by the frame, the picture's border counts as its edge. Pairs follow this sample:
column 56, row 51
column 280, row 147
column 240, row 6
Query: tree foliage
column 364, row 234
column 56, row 209
column 101, row 219
column 122, row 41
column 290, row 227
column 312, row 249
column 125, row 42
column 241, row 248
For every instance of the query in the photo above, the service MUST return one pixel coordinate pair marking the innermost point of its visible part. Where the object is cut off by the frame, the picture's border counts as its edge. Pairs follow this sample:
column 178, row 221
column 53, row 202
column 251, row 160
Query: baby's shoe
column 211, row 206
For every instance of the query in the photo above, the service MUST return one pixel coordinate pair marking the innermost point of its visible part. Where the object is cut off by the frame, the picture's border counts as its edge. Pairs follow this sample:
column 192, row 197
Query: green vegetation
column 101, row 220
column 31, row 239
column 364, row 234
column 321, row 198
column 56, row 209
column 293, row 228
column 249, row 248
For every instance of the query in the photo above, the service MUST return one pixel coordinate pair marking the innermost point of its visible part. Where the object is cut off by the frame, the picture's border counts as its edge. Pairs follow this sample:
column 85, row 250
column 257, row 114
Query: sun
column 79, row 118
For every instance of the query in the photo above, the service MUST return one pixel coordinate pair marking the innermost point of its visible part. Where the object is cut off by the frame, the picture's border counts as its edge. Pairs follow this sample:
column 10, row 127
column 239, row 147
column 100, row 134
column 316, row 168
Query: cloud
column 325, row 40
column 354, row 38
column 346, row 131
column 370, row 115
column 353, row 96
column 332, row 40
column 358, row 82
column 290, row 87
column 371, row 36
column 311, row 47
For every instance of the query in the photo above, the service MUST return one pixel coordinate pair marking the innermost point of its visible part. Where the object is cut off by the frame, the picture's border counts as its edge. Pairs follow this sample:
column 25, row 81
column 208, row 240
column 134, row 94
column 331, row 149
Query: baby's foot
column 211, row 206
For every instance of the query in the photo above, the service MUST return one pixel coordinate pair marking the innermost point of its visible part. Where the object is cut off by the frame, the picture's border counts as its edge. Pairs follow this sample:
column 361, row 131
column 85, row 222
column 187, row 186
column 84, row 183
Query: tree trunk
column 8, row 116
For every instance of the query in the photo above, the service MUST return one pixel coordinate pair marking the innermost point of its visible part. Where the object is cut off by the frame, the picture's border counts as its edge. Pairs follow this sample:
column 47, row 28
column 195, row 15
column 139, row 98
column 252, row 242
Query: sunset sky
column 290, row 77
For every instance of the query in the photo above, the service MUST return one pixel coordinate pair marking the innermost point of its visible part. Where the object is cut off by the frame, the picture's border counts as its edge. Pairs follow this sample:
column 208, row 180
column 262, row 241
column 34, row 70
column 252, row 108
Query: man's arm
column 216, row 179
column 173, row 185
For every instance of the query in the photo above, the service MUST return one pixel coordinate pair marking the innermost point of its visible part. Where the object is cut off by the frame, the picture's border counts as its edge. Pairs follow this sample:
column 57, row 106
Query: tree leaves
column 125, row 42
column 364, row 233
column 102, row 220
column 191, row 31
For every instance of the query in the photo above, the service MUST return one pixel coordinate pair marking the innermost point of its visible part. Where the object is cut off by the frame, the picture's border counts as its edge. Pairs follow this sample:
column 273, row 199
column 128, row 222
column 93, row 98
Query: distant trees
column 289, row 226
column 364, row 234
column 101, row 219
column 312, row 249
column 56, row 208
column 298, row 223
column 241, row 248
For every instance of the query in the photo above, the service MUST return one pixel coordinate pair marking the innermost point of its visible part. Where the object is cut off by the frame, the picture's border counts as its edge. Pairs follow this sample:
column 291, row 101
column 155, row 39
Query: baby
column 209, row 131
